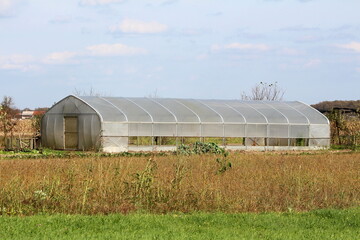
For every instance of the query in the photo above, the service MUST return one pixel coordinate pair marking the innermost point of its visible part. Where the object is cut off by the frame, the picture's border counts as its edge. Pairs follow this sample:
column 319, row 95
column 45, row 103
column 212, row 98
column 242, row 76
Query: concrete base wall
column 151, row 148
column 114, row 144
column 231, row 148
column 273, row 148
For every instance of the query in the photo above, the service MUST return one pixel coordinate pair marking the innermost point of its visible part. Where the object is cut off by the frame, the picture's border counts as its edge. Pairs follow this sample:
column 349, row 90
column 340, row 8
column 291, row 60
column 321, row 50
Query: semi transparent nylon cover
column 116, row 117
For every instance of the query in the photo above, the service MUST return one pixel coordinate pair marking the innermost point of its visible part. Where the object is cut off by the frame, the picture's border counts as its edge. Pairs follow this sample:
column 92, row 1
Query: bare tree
column 265, row 91
column 154, row 94
column 90, row 92
column 7, row 116
column 337, row 124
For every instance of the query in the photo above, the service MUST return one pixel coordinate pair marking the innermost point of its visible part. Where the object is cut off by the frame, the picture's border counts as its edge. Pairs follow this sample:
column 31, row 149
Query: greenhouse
column 118, row 124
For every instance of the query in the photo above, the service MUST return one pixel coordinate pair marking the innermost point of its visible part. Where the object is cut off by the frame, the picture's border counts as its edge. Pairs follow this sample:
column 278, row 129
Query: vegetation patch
column 320, row 224
column 51, row 154
column 200, row 148
column 250, row 182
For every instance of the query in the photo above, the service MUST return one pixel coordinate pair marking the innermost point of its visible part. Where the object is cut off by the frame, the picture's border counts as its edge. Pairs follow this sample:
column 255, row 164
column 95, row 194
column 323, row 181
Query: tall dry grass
column 256, row 182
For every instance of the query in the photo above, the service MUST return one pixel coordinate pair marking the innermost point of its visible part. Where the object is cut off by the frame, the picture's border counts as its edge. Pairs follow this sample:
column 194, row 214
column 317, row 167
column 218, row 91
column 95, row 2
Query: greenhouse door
column 71, row 135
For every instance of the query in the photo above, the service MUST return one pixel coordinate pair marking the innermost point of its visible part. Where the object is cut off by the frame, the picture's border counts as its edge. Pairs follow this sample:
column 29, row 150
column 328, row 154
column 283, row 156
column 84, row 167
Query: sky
column 202, row 49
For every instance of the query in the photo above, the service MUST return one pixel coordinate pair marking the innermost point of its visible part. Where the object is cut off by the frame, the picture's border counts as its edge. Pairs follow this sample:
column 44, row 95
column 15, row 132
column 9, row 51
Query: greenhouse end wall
column 86, row 134
column 115, row 124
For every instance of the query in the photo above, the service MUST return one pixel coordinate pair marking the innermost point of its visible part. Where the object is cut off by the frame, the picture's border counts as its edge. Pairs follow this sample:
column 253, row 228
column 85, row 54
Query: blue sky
column 178, row 48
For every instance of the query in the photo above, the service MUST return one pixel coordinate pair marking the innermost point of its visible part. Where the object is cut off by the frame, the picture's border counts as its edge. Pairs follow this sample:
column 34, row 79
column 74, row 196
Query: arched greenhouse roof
column 171, row 110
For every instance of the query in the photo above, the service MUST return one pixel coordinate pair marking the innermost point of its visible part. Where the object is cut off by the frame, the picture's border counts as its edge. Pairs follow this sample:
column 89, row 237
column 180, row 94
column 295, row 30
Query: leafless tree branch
column 265, row 91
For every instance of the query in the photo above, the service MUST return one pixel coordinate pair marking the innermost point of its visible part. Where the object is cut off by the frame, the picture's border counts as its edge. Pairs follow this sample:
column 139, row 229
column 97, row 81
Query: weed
column 180, row 171
column 223, row 165
column 238, row 182
column 141, row 189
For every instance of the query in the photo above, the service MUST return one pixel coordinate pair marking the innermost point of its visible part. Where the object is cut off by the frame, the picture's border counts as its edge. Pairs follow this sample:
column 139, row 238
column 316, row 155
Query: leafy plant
column 223, row 164
column 200, row 148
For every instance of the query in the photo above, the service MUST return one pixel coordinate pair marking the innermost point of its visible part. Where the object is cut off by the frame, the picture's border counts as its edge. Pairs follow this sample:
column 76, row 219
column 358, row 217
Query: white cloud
column 202, row 57
column 241, row 46
column 60, row 57
column 5, row 6
column 216, row 47
column 135, row 26
column 354, row 46
column 18, row 62
column 309, row 38
column 8, row 66
column 130, row 69
column 61, row 19
column 21, row 67
column 114, row 50
column 290, row 52
column 159, row 69
column 259, row 47
column 29, row 63
column 99, row 2
column 312, row 63
column 16, row 58
column 155, row 3
column 168, row 2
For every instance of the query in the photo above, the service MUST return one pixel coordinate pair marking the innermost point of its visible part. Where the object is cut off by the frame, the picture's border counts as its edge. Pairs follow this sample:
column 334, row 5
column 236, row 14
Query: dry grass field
column 255, row 182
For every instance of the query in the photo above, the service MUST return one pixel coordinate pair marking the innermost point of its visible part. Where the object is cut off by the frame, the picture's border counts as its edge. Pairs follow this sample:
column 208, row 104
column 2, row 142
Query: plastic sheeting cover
column 118, row 117
column 205, row 111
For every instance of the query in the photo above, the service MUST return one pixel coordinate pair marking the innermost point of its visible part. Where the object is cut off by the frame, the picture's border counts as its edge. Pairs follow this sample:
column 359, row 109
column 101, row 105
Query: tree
column 265, row 91
column 36, row 119
column 90, row 92
column 337, row 120
column 329, row 106
column 154, row 94
column 7, row 116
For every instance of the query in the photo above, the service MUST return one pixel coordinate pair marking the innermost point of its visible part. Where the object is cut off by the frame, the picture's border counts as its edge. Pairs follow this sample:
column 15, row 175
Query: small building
column 26, row 114
column 117, row 124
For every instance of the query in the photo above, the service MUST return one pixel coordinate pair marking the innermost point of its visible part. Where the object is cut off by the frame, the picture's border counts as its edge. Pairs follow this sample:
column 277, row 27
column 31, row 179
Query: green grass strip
column 320, row 224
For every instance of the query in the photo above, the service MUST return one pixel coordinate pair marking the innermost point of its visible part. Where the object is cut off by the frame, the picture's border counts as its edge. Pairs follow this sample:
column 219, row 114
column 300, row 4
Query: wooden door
column 71, row 135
